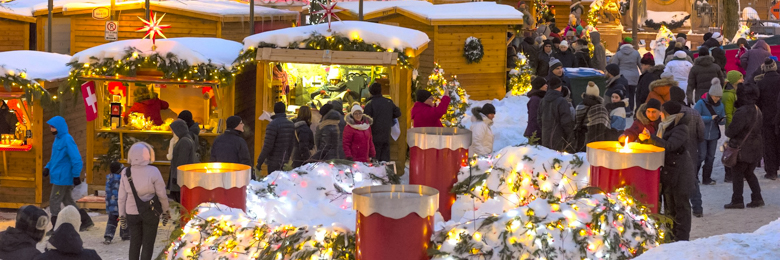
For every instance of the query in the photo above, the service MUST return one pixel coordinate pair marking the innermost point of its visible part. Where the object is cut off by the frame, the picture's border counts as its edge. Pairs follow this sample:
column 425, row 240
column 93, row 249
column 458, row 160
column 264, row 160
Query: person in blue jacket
column 713, row 113
column 64, row 167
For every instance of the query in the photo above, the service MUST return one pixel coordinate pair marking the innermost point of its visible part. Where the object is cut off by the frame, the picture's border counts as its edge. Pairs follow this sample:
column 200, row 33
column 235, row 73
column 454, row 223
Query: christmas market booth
column 29, row 80
column 467, row 39
column 313, row 65
column 15, row 26
column 134, row 89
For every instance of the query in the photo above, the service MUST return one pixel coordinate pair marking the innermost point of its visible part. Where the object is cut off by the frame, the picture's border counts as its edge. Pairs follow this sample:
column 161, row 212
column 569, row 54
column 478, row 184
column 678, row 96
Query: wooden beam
column 16, row 17
column 262, row 96
column 37, row 142
column 322, row 57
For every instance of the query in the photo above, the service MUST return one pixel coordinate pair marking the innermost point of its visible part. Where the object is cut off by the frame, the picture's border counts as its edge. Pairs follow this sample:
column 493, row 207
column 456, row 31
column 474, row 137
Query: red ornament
column 153, row 27
column 327, row 11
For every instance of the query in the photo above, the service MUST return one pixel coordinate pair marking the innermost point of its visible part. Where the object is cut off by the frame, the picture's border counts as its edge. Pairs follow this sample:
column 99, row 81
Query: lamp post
column 360, row 11
column 251, row 17
column 48, row 27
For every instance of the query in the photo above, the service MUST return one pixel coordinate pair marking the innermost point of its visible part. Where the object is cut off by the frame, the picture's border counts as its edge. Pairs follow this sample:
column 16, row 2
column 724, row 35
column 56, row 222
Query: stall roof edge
column 36, row 64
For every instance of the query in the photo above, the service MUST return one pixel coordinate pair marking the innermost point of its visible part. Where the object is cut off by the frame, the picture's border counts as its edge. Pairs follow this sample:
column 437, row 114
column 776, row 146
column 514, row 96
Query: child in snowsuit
column 112, row 206
column 617, row 116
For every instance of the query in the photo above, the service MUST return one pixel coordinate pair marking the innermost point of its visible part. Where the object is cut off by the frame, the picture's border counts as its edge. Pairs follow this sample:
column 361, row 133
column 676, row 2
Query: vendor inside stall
column 316, row 84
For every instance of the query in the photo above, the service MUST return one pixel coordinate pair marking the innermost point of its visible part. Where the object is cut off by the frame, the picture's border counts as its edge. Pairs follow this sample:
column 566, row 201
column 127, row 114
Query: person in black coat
column 530, row 51
column 557, row 71
column 677, row 179
column 384, row 112
column 750, row 144
column 650, row 73
column 328, row 136
column 279, row 138
column 555, row 118
column 230, row 146
column 8, row 119
column 565, row 55
column 193, row 126
column 582, row 55
column 18, row 242
column 713, row 46
column 304, row 138
column 769, row 93
column 615, row 82
column 543, row 62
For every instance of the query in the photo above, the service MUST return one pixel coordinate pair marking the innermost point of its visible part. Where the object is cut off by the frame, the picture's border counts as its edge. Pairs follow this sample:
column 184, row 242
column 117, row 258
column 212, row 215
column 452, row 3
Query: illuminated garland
column 318, row 41
column 543, row 11
column 172, row 67
column 520, row 76
column 593, row 12
column 458, row 98
column 10, row 79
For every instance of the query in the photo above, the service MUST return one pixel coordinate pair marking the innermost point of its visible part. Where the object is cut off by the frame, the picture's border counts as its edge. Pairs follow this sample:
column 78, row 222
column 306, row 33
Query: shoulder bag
column 730, row 154
column 149, row 210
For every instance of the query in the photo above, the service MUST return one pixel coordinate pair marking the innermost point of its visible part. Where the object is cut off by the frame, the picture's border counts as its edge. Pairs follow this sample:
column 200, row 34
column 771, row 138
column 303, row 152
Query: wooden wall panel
column 482, row 80
column 15, row 35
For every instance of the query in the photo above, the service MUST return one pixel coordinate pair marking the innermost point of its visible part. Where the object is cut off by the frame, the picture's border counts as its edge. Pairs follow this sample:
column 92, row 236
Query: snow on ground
column 388, row 36
column 38, row 65
column 194, row 50
column 509, row 123
column 371, row 7
column 466, row 11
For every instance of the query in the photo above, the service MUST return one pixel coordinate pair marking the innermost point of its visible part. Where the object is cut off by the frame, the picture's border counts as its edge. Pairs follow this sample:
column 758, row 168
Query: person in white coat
column 481, row 134
column 679, row 67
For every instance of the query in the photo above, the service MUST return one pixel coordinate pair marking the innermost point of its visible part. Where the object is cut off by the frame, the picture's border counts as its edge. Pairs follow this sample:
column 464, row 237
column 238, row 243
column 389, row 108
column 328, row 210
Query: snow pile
column 193, row 50
column 36, row 64
column 28, row 7
column 377, row 6
column 387, row 36
column 510, row 121
column 669, row 18
column 211, row 7
column 313, row 194
column 761, row 244
column 466, row 11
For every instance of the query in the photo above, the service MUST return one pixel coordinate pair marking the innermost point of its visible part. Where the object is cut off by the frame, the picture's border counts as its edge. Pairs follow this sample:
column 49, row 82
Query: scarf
column 664, row 124
column 598, row 114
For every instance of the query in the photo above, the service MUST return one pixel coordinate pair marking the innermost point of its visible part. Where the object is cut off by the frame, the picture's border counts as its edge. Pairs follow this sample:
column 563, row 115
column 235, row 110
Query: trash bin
column 579, row 81
column 613, row 166
column 223, row 183
column 436, row 156
column 394, row 221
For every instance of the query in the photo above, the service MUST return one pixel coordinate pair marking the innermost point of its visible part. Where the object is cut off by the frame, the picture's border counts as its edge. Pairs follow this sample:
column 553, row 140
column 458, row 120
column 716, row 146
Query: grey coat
column 184, row 152
column 599, row 60
column 628, row 59
column 700, row 77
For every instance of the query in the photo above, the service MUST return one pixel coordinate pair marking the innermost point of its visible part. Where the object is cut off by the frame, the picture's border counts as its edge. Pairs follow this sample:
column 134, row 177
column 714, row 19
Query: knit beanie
column 619, row 92
column 680, row 54
column 565, row 43
column 356, row 107
column 733, row 76
column 716, row 90
column 488, row 109
column 654, row 104
column 628, row 40
column 703, row 52
column 279, row 108
column 375, row 89
column 707, row 36
column 769, row 65
column 676, row 94
column 554, row 64
column 70, row 215
column 423, row 95
column 115, row 167
column 648, row 59
column 592, row 89
column 672, row 107
column 613, row 69
column 32, row 221
column 538, row 83
column 554, row 83
column 232, row 122
column 718, row 37
column 325, row 109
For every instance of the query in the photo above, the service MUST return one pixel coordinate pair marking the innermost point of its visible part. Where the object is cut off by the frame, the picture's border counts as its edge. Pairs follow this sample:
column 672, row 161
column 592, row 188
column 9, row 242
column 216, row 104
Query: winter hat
column 570, row 33
column 115, row 167
column 613, row 69
column 592, row 89
column 356, row 107
column 733, row 76
column 32, row 221
column 648, row 59
column 556, row 41
column 716, row 89
column 325, row 109
column 672, row 107
column 186, row 115
column 538, row 83
column 423, row 95
column 703, row 52
column 680, row 54
column 682, row 35
column 718, row 37
column 279, row 108
column 565, row 43
column 375, row 89
column 654, row 104
column 628, row 40
column 769, row 65
column 677, row 94
column 680, row 40
column 707, row 36
column 488, row 109
column 232, row 122
column 619, row 92
column 70, row 215
column 554, row 83
column 555, row 63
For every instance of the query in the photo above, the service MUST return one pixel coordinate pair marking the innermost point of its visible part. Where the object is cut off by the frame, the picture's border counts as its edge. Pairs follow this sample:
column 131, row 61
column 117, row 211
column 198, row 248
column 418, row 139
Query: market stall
column 29, row 78
column 139, row 88
column 16, row 28
column 313, row 65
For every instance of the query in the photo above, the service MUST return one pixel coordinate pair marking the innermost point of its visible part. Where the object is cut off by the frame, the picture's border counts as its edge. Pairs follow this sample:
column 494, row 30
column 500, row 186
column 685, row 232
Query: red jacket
column 427, row 116
column 150, row 108
column 640, row 123
column 357, row 140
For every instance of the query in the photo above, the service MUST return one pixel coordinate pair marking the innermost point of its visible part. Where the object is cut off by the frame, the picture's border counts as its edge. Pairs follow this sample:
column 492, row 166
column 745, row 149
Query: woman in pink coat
column 425, row 113
column 357, row 140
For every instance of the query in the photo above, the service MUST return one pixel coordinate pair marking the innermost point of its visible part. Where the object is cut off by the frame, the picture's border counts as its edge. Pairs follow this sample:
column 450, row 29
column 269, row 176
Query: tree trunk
column 731, row 19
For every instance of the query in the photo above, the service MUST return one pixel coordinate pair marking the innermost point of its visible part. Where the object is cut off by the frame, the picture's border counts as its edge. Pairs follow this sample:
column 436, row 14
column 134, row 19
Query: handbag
column 150, row 210
column 730, row 154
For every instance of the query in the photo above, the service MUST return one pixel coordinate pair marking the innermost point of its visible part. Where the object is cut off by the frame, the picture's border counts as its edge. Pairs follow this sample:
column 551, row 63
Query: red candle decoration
column 223, row 183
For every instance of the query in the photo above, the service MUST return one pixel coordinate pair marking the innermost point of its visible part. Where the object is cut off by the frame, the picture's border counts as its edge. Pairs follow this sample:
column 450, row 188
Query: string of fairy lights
column 11, row 79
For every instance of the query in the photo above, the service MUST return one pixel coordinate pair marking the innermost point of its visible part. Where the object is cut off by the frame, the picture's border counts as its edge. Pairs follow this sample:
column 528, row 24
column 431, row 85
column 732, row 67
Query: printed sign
column 112, row 30
column 101, row 13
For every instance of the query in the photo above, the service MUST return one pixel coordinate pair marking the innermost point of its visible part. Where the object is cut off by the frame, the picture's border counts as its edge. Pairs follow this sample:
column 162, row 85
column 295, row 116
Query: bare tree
column 730, row 19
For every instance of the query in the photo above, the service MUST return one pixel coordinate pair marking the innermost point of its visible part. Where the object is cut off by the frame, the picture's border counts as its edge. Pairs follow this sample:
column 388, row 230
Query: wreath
column 473, row 50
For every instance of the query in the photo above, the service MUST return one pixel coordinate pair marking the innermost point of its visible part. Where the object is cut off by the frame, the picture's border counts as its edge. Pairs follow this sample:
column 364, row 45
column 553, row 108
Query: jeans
column 677, row 207
column 111, row 228
column 741, row 171
column 382, row 151
column 706, row 156
column 60, row 194
column 695, row 196
column 142, row 235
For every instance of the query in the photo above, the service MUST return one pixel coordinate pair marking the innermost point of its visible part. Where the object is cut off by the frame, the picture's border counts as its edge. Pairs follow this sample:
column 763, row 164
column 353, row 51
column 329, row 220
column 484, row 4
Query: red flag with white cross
column 90, row 100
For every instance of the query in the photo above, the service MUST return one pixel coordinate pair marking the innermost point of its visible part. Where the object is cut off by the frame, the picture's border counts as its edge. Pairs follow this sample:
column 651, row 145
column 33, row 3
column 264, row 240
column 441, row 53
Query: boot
column 53, row 223
column 734, row 206
column 756, row 204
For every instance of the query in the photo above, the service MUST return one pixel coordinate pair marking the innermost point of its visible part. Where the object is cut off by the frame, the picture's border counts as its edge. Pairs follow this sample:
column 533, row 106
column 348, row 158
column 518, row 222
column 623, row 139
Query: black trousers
column 382, row 151
column 632, row 97
column 742, row 171
column 678, row 207
column 142, row 236
column 771, row 150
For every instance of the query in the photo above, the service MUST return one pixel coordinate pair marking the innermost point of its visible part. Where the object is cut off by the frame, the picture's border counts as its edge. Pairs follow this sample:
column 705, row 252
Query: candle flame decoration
column 138, row 121
column 625, row 148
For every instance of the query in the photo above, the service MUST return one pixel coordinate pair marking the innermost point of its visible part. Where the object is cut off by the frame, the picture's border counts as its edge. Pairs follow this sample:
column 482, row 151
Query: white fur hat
column 565, row 43
column 356, row 107
column 70, row 215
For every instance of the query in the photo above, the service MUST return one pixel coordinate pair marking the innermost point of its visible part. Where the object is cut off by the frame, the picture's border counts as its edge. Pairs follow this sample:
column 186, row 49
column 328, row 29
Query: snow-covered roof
column 668, row 17
column 37, row 64
column 371, row 7
column 387, row 36
column 194, row 50
column 465, row 11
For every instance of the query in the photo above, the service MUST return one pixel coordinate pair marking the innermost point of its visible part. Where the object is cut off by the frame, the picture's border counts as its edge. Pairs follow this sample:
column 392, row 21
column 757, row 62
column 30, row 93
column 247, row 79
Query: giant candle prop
column 436, row 156
column 223, row 183
column 613, row 165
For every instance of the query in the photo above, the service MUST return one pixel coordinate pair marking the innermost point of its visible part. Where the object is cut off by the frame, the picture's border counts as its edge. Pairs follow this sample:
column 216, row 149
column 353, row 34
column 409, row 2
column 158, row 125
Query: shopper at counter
column 383, row 111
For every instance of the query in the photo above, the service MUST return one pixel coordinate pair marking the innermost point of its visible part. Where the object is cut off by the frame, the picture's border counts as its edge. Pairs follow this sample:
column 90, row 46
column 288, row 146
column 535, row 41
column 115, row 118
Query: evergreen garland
column 10, row 79
column 458, row 97
column 473, row 50
column 673, row 25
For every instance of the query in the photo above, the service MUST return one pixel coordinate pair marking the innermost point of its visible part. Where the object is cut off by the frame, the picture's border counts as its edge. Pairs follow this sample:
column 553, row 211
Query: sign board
column 776, row 9
column 101, row 13
column 112, row 30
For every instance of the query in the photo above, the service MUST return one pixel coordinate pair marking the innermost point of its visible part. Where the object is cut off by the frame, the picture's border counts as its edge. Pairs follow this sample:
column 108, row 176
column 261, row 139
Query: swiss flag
column 90, row 100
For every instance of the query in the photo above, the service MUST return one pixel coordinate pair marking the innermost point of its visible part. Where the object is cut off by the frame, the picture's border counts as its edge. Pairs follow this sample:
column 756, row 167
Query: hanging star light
column 153, row 28
column 327, row 12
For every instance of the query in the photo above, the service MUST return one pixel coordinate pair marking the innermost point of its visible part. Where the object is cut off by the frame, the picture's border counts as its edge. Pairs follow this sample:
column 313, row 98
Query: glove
column 76, row 181
column 165, row 217
column 45, row 172
column 123, row 222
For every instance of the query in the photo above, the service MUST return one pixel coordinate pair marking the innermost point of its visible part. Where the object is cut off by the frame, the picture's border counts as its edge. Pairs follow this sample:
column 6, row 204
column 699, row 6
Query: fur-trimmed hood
column 659, row 67
column 704, row 61
column 664, row 82
column 362, row 125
